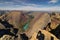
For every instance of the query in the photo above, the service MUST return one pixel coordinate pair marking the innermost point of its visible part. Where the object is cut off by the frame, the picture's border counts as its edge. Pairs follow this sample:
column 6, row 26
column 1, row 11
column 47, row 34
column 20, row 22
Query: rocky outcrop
column 7, row 37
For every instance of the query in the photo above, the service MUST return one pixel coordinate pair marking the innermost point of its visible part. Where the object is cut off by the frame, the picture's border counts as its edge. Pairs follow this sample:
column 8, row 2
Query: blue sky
column 30, row 5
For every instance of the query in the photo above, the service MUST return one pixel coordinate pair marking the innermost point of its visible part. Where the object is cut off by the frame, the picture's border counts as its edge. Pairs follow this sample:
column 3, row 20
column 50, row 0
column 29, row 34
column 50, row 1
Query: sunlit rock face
column 41, row 22
column 7, row 37
column 47, row 35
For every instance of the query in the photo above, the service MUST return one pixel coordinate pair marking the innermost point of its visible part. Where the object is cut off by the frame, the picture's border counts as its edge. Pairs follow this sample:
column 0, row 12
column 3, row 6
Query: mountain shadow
column 24, row 36
column 6, row 32
column 56, row 32
column 8, row 27
column 6, row 24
